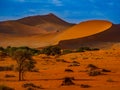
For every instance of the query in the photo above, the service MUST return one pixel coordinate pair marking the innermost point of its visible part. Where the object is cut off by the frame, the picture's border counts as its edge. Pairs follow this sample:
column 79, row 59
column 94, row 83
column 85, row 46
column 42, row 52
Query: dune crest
column 84, row 29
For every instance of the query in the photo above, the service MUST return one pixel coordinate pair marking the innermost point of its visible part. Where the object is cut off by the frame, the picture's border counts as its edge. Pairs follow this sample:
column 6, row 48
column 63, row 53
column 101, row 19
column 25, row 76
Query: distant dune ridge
column 49, row 22
column 45, row 30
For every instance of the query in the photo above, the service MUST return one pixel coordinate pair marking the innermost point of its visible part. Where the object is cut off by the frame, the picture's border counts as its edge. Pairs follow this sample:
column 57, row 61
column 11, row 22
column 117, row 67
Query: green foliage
column 84, row 86
column 94, row 73
column 52, row 50
column 92, row 66
column 1, row 49
column 95, row 49
column 66, row 51
column 10, row 50
column 3, row 87
column 7, row 68
column 24, row 61
column 82, row 49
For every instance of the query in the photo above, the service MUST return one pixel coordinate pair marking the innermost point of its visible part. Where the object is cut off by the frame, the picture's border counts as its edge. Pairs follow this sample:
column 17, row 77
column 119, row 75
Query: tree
column 2, row 53
column 24, row 62
column 52, row 50
column 10, row 50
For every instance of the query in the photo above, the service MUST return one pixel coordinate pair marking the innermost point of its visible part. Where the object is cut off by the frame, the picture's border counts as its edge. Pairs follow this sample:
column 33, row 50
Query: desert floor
column 52, row 71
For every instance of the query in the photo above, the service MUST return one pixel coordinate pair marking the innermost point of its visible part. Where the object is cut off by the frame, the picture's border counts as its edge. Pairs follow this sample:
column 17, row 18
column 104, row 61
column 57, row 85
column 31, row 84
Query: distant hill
column 33, row 31
column 19, row 29
column 33, row 25
column 49, row 22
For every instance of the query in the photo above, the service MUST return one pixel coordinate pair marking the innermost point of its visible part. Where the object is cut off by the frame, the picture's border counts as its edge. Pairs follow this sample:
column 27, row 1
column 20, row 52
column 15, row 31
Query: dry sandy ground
column 51, row 71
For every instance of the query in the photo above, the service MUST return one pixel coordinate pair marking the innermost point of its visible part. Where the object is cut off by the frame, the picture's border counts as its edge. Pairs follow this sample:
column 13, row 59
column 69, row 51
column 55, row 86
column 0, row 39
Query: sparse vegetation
column 68, row 70
column 84, row 86
column 52, row 50
column 24, row 62
column 3, row 87
column 68, row 81
column 66, row 51
column 10, row 50
column 2, row 55
column 105, row 70
column 110, row 80
column 83, row 49
column 62, row 60
column 9, row 76
column 94, row 73
column 32, row 86
column 7, row 68
column 93, row 70
column 92, row 67
column 74, row 63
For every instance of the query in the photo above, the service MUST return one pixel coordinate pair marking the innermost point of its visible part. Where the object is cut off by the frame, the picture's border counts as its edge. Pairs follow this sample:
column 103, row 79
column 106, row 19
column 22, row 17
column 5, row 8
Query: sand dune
column 40, row 31
column 84, row 29
column 33, row 31
column 15, row 28
column 103, row 39
column 49, row 22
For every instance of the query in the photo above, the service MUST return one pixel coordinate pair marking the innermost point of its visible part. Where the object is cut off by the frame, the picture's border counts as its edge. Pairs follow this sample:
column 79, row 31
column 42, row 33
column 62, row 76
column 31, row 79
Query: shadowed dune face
column 42, row 24
column 84, row 29
column 40, row 30
column 49, row 22
column 103, row 39
column 88, row 33
column 15, row 28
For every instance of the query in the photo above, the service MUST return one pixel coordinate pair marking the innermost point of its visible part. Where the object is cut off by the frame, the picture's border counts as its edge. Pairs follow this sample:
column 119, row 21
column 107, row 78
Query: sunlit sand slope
column 104, row 39
column 84, row 29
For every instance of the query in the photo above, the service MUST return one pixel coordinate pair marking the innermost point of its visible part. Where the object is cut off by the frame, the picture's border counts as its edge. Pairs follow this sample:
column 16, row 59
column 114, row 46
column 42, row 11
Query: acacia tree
column 2, row 53
column 24, row 61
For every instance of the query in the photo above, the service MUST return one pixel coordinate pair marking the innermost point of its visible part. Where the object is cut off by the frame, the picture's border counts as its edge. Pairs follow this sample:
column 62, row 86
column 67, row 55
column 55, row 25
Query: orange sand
column 51, row 72
column 84, row 29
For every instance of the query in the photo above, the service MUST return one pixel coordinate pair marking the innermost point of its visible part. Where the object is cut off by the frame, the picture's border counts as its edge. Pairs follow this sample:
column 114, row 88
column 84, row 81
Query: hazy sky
column 69, row 10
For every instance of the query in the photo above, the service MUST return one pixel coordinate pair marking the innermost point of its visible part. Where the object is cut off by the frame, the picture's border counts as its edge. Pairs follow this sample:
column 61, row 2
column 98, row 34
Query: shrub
column 75, row 63
column 10, row 50
column 3, row 87
column 66, row 51
column 84, row 86
column 82, row 49
column 2, row 49
column 2, row 55
column 7, row 68
column 94, row 73
column 95, row 49
column 9, row 76
column 79, row 50
column 33, row 51
column 31, row 85
column 105, row 70
column 52, row 50
column 68, row 81
column 110, row 80
column 92, row 67
column 68, row 70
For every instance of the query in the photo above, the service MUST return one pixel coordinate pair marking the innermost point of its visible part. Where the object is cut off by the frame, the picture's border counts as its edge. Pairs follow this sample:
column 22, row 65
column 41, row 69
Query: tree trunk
column 20, row 76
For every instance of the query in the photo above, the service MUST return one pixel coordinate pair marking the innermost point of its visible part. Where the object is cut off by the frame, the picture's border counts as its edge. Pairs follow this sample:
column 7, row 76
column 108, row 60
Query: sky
column 73, row 11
